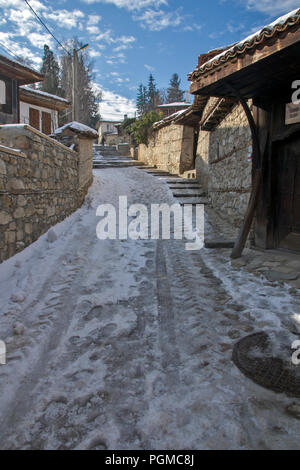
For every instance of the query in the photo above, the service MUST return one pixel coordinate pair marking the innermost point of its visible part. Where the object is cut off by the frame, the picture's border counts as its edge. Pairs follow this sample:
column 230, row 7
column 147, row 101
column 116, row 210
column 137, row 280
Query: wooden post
column 75, row 86
column 256, row 180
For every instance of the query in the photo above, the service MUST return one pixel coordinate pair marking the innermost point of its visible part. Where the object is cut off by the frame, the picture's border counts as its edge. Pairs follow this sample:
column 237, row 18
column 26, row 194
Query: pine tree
column 50, row 70
column 174, row 93
column 152, row 93
column 141, row 101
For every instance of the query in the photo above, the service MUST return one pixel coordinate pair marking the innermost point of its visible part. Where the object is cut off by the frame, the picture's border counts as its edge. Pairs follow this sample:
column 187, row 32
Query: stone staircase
column 185, row 190
column 108, row 157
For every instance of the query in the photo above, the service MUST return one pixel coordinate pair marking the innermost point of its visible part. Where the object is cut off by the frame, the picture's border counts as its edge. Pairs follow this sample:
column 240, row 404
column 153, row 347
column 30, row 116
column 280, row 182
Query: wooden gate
column 287, row 194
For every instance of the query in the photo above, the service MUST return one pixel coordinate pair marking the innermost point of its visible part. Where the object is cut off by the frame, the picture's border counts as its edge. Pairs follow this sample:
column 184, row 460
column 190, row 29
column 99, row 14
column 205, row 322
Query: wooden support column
column 256, row 177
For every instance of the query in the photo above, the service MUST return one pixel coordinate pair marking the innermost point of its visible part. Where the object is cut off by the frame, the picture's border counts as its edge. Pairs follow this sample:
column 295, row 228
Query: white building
column 109, row 132
column 40, row 109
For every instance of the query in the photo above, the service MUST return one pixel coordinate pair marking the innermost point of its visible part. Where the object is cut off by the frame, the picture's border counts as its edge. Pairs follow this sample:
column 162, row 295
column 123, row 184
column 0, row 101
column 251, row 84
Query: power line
column 46, row 27
column 9, row 51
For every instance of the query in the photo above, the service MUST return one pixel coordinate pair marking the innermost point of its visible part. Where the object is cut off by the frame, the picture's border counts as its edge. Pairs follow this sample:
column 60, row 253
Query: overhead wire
column 46, row 27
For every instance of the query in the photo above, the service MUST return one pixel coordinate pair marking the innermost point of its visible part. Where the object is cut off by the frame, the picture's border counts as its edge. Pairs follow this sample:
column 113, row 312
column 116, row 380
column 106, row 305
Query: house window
column 34, row 118
column 2, row 92
column 46, row 123
column 6, row 92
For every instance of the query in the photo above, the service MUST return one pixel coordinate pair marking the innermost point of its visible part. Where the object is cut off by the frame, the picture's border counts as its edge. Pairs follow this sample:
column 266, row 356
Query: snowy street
column 128, row 344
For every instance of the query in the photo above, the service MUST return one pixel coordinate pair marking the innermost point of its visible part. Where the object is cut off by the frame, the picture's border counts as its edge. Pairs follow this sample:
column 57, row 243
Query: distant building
column 171, row 108
column 12, row 75
column 109, row 133
column 40, row 109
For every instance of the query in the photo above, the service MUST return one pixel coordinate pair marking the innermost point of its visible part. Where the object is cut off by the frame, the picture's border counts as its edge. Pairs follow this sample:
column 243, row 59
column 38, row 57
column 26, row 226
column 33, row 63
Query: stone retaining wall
column 40, row 185
column 223, row 167
column 170, row 149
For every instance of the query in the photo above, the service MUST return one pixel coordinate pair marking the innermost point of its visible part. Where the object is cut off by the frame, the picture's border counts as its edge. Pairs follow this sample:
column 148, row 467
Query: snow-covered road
column 127, row 344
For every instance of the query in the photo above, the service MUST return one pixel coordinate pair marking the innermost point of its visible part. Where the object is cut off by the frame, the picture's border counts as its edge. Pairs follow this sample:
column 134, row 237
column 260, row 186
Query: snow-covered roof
column 78, row 128
column 255, row 39
column 175, row 105
column 23, row 73
column 44, row 93
column 169, row 119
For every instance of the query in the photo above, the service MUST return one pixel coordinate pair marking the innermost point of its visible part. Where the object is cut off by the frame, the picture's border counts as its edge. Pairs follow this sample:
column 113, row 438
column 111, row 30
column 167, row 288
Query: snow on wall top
column 279, row 25
column 78, row 128
column 177, row 104
column 169, row 119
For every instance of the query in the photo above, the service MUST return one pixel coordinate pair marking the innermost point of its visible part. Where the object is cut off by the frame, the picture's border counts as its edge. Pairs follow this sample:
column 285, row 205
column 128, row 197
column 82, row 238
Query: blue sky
column 131, row 38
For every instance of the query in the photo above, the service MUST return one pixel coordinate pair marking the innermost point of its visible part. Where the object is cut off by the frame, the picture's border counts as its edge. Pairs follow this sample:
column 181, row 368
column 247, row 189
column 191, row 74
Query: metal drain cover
column 253, row 356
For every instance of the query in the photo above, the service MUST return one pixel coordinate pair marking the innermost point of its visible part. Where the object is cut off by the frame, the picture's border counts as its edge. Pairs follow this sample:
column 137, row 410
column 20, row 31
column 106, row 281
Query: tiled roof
column 282, row 24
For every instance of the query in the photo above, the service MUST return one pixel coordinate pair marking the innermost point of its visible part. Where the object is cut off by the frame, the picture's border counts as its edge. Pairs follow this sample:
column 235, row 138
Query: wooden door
column 287, row 207
column 34, row 118
column 46, row 123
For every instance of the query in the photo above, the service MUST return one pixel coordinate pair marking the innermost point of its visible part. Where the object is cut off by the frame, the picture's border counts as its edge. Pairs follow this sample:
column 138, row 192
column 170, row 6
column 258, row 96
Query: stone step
column 182, row 187
column 188, row 196
column 195, row 201
column 183, row 181
column 219, row 243
column 158, row 172
column 123, row 165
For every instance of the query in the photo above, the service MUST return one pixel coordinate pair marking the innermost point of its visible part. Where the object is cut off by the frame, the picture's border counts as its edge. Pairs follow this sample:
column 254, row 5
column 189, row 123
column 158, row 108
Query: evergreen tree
column 50, row 70
column 174, row 93
column 141, row 101
column 152, row 93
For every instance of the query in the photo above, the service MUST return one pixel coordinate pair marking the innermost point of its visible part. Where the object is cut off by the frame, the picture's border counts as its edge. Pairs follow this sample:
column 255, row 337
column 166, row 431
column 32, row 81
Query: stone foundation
column 41, row 183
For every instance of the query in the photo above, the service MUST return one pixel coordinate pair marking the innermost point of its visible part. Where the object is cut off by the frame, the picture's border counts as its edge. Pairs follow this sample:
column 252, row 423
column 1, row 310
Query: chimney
column 125, row 116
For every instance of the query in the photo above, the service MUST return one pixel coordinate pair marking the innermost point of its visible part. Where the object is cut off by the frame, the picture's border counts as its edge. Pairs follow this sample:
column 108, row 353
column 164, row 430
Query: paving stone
column 293, row 410
column 279, row 276
column 225, row 347
column 234, row 334
column 238, row 263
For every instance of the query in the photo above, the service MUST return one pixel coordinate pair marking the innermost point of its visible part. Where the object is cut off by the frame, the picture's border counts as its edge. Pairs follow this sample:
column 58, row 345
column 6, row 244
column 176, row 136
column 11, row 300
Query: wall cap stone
column 11, row 151
column 31, row 129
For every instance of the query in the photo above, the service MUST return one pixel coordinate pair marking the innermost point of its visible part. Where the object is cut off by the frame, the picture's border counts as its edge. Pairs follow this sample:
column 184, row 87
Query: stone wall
column 223, row 167
column 40, row 185
column 170, row 149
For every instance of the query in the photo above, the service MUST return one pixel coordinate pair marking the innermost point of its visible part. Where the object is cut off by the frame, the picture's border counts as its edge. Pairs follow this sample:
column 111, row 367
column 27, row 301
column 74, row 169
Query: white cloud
column 93, row 29
column 93, row 20
column 149, row 67
column 272, row 7
column 114, row 106
column 94, row 53
column 156, row 20
column 64, row 18
column 39, row 40
column 131, row 4
column 36, row 5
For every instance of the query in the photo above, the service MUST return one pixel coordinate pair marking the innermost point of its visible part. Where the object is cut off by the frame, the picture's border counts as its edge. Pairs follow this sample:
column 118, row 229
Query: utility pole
column 75, row 92
column 75, row 86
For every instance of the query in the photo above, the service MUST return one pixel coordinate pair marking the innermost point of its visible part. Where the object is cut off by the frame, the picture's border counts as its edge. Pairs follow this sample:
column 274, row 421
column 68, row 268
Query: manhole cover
column 253, row 356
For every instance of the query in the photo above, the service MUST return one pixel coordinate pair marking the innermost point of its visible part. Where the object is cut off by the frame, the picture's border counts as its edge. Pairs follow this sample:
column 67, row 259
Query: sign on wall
column 292, row 113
